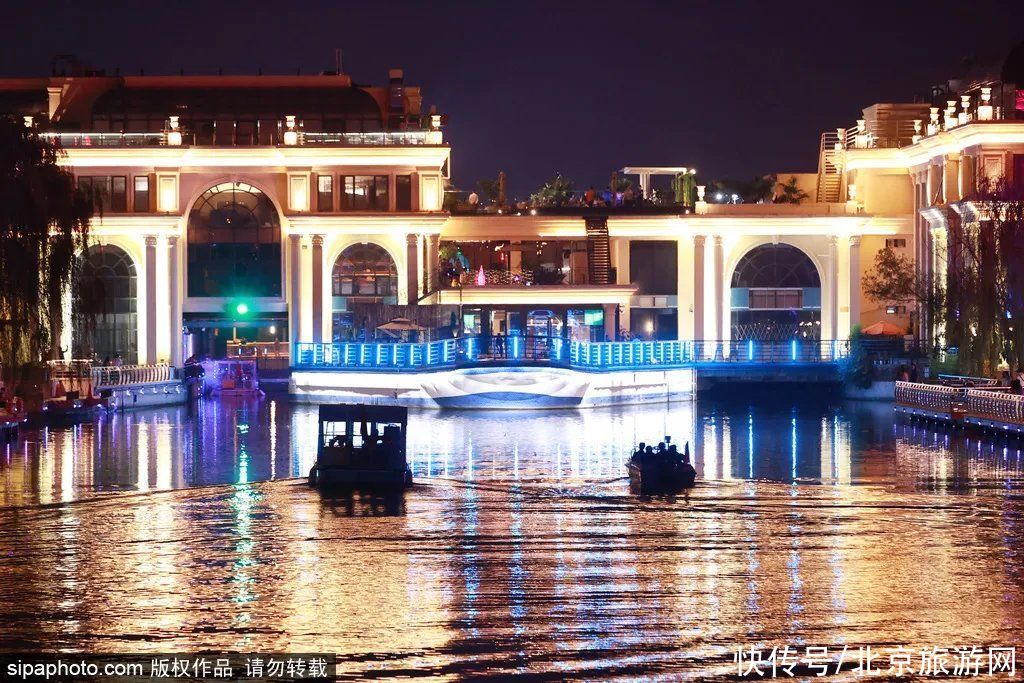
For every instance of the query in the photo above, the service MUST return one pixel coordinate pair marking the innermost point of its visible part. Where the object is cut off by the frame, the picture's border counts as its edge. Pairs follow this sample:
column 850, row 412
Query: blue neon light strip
column 572, row 353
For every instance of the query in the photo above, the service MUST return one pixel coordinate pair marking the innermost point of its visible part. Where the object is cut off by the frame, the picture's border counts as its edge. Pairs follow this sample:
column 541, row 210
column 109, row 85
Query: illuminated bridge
column 533, row 371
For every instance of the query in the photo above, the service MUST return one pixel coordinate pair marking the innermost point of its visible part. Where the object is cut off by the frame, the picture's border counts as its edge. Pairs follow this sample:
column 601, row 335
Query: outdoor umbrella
column 396, row 326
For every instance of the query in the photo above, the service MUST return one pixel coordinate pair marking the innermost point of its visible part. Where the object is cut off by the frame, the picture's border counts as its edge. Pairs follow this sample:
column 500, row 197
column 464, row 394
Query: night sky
column 735, row 89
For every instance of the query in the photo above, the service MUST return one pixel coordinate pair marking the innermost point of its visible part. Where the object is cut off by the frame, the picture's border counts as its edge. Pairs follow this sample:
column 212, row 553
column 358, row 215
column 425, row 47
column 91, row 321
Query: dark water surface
column 520, row 549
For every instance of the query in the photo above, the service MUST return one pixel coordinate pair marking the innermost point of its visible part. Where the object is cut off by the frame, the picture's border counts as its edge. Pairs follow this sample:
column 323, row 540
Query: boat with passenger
column 361, row 446
column 232, row 377
column 661, row 471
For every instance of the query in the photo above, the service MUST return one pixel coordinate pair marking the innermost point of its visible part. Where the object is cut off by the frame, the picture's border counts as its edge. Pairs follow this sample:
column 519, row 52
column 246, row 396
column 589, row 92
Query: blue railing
column 556, row 351
column 378, row 356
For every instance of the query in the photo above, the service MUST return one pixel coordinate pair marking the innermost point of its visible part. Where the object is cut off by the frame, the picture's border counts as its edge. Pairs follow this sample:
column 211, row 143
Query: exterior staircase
column 598, row 251
column 830, row 169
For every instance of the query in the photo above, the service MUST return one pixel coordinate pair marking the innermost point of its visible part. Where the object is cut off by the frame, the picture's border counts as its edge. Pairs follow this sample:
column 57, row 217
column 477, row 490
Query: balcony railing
column 558, row 351
column 121, row 375
column 79, row 140
column 105, row 140
column 383, row 139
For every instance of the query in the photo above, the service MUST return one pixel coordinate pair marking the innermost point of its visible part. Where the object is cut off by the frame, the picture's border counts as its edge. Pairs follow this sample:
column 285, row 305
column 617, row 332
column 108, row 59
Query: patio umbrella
column 401, row 325
column 883, row 329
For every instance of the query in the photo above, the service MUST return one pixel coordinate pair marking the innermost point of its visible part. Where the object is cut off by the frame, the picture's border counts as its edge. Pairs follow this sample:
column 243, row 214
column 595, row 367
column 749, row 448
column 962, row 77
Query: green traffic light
column 242, row 309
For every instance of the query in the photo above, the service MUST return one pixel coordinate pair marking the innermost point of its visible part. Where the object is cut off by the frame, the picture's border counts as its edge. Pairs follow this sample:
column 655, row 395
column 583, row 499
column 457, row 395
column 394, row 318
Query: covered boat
column 361, row 446
column 233, row 377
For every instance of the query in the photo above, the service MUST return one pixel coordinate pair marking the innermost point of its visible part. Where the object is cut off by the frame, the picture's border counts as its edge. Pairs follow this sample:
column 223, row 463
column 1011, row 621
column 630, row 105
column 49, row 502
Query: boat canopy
column 364, row 413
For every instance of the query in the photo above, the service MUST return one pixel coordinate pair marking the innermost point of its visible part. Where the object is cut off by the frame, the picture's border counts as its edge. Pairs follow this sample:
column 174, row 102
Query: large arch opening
column 363, row 274
column 775, row 295
column 234, row 244
column 105, row 306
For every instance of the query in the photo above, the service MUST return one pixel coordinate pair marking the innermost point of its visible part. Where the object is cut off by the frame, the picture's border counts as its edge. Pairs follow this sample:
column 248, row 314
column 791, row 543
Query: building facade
column 277, row 209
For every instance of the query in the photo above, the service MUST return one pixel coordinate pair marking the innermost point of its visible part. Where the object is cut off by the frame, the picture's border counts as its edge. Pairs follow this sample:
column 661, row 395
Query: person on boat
column 688, row 472
column 638, row 453
column 1004, row 380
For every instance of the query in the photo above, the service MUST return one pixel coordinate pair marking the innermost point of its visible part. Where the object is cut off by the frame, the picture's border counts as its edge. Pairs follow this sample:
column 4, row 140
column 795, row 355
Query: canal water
column 520, row 551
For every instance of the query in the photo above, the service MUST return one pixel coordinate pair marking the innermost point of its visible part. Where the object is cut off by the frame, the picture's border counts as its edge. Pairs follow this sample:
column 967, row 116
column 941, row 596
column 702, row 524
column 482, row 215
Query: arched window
column 234, row 244
column 365, row 270
column 776, row 295
column 775, row 265
column 106, row 306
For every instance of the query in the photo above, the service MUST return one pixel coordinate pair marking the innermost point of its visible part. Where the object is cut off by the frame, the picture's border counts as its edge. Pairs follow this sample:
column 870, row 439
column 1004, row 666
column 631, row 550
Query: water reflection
column 530, row 558
column 236, row 442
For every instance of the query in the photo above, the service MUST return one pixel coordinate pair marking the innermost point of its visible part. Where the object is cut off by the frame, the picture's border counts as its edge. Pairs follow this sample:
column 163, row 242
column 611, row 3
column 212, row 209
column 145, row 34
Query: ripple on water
column 518, row 551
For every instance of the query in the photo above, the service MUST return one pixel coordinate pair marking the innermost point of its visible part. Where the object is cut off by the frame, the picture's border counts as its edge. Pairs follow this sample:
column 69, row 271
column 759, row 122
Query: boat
column 361, row 446
column 232, row 378
column 12, row 416
column 71, row 409
column 660, row 475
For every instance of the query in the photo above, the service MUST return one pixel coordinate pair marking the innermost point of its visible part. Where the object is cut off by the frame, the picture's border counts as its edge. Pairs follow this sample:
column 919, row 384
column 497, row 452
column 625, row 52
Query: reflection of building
column 305, row 208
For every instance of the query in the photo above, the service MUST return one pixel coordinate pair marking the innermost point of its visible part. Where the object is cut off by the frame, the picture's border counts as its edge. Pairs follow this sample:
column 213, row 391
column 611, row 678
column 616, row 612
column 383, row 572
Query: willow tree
column 985, row 306
column 44, row 224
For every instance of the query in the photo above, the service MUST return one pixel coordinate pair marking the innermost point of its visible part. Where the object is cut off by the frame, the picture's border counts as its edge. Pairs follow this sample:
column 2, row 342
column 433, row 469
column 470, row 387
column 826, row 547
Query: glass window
column 109, row 193
column 119, row 194
column 365, row 193
column 403, row 192
column 381, row 193
column 106, row 275
column 324, row 193
column 776, row 298
column 234, row 243
column 365, row 270
column 141, row 198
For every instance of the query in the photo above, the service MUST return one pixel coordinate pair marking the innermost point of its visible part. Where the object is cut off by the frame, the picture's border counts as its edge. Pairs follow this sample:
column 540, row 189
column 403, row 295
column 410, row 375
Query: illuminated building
column 307, row 208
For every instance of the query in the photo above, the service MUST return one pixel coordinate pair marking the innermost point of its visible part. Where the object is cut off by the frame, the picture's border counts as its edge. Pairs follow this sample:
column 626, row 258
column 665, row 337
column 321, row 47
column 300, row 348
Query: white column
column 620, row 254
column 433, row 256
column 412, row 270
column 684, row 288
column 951, row 178
column 934, row 195
column 833, row 289
column 854, row 282
column 295, row 289
column 698, row 288
column 150, row 300
column 967, row 175
column 174, row 300
column 317, row 288
column 719, row 305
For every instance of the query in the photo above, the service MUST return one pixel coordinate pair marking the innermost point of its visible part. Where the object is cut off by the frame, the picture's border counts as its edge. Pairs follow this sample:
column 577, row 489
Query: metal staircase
column 598, row 251
column 830, row 169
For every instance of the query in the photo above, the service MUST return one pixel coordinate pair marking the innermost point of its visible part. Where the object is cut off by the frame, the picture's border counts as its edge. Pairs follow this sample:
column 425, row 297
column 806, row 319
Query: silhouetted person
column 688, row 473
column 639, row 452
